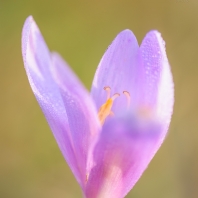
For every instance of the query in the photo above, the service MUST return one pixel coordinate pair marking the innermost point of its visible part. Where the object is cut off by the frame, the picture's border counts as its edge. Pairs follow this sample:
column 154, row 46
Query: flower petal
column 127, row 145
column 156, row 88
column 81, row 112
column 122, row 153
column 117, row 69
column 38, row 64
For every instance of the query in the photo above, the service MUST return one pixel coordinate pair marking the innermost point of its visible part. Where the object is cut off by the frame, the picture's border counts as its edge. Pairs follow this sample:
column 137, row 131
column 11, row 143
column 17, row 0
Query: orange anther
column 105, row 109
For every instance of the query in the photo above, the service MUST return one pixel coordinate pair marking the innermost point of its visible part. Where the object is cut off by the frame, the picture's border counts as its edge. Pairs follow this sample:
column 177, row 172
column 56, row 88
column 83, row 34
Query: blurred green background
column 31, row 165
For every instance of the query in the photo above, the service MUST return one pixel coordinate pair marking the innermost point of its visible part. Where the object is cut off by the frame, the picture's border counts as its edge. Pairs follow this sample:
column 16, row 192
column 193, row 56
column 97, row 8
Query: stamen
column 105, row 109
column 87, row 177
column 145, row 112
column 127, row 94
column 115, row 96
column 108, row 90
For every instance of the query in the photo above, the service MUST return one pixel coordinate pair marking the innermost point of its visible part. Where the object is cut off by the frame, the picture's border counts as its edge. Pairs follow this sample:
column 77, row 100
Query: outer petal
column 156, row 88
column 127, row 145
column 39, row 67
column 117, row 69
column 123, row 152
column 81, row 112
column 37, row 61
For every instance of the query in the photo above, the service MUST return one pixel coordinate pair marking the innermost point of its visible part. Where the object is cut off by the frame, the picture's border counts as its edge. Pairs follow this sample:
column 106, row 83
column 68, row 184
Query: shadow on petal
column 121, row 155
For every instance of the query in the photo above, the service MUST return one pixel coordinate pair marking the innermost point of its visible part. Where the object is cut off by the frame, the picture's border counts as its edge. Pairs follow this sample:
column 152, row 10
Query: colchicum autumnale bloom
column 108, row 136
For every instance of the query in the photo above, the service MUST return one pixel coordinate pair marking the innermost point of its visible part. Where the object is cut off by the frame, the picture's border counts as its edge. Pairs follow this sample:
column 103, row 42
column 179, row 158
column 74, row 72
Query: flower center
column 105, row 109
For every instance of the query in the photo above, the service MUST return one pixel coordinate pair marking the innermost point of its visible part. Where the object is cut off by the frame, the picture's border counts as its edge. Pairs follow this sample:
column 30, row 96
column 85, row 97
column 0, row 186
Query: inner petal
column 117, row 69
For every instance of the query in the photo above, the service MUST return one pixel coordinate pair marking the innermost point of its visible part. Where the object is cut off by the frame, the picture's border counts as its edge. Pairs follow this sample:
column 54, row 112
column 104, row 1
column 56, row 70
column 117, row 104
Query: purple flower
column 107, row 137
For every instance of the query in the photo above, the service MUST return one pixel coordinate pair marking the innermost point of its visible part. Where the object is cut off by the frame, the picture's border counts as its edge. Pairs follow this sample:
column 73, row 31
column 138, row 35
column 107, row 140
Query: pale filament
column 143, row 111
column 87, row 177
column 108, row 90
column 105, row 109
column 127, row 94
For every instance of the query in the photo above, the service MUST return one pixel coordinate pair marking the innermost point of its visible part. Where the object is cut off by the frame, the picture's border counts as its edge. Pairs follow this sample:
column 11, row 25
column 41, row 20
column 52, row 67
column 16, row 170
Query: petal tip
column 27, row 24
column 126, row 33
column 26, row 32
column 155, row 35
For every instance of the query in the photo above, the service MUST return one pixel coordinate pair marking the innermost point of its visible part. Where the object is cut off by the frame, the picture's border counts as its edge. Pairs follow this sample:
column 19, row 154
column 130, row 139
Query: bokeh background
column 31, row 165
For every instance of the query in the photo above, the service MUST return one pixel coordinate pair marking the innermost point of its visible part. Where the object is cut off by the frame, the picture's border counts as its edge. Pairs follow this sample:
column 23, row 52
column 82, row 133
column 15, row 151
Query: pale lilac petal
column 126, row 147
column 129, row 140
column 123, row 152
column 117, row 69
column 156, row 86
column 81, row 112
column 37, row 61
